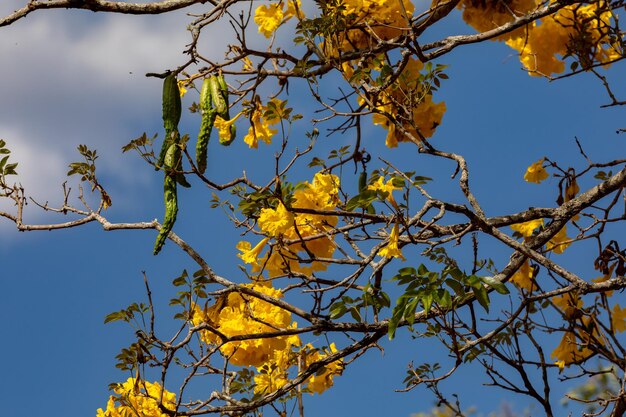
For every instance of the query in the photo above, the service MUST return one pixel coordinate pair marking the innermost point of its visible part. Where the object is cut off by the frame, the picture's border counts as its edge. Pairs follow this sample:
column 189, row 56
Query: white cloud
column 41, row 171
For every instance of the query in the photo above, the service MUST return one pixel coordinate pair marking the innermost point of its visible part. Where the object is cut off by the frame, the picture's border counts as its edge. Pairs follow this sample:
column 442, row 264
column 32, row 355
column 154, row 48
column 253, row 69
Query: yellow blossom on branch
column 181, row 87
column 268, row 18
column 260, row 127
column 386, row 188
column 276, row 221
column 536, row 173
column 322, row 380
column 224, row 128
column 248, row 254
column 526, row 229
column 392, row 250
column 138, row 398
column 307, row 233
column 559, row 242
column 241, row 314
column 407, row 104
column 570, row 350
column 524, row 277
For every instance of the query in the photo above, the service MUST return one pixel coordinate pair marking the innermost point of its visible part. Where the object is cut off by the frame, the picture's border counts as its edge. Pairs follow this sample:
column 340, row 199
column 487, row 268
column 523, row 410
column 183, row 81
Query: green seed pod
column 172, row 109
column 206, row 126
column 223, row 88
column 219, row 101
column 171, row 210
column 219, row 94
column 172, row 158
column 206, row 102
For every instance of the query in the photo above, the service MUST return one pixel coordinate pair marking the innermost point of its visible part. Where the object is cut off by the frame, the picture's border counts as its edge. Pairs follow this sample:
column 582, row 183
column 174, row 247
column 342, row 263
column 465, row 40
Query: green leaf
column 495, row 284
column 337, row 310
column 482, row 296
column 181, row 280
column 116, row 316
column 456, row 286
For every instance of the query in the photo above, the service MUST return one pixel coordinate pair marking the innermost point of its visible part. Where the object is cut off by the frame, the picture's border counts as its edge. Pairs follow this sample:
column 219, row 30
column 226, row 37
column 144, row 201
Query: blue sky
column 75, row 77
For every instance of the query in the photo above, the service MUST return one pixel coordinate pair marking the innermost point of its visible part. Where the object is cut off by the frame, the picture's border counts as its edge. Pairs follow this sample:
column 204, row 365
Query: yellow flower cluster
column 371, row 21
column 274, row 375
column 270, row 17
column 408, row 103
column 582, row 31
column 484, row 15
column 239, row 314
column 138, row 398
column 260, row 124
column 572, row 348
column 284, row 225
column 579, row 30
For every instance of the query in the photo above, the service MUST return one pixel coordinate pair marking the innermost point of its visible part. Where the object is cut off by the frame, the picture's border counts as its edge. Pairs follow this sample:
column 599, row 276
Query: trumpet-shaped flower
column 248, row 254
column 225, row 128
column 392, row 250
column 386, row 188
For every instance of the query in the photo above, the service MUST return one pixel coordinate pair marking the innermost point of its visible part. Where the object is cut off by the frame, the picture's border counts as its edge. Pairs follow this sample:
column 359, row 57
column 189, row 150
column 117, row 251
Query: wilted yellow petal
column 618, row 318
column 536, row 173
column 526, row 229
column 556, row 244
column 524, row 277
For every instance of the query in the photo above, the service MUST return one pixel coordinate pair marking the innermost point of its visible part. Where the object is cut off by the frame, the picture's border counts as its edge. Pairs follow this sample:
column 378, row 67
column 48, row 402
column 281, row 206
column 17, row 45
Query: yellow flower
column 618, row 318
column 570, row 351
column 536, row 173
column 224, row 128
column 386, row 188
column 268, row 18
column 560, row 364
column 569, row 304
column 392, row 250
column 322, row 379
column 524, row 277
column 181, row 87
column 138, row 398
column 526, row 229
column 248, row 254
column 407, row 95
column 559, row 242
column 294, row 8
column 240, row 314
column 259, row 130
column 275, row 221
column 269, row 378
